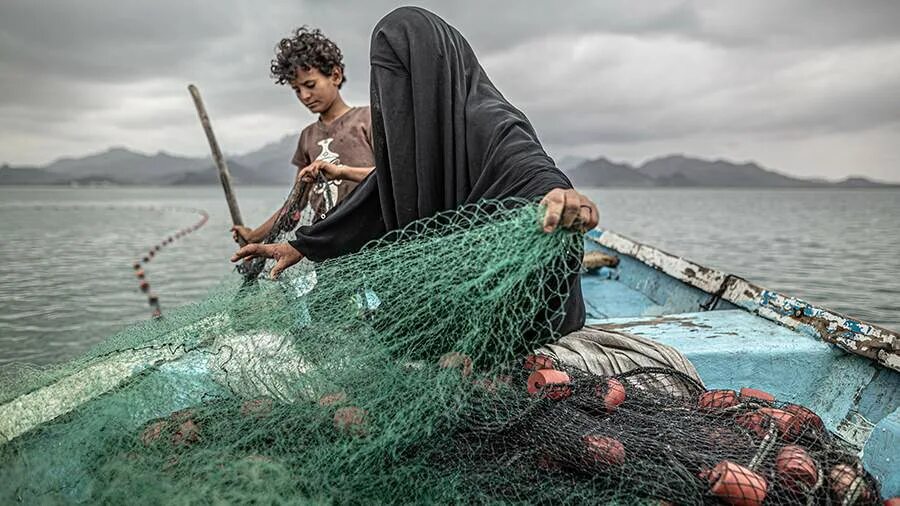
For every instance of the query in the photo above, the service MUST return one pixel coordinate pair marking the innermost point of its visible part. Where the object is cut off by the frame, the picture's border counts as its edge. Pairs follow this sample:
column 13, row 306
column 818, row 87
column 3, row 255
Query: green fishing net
column 403, row 373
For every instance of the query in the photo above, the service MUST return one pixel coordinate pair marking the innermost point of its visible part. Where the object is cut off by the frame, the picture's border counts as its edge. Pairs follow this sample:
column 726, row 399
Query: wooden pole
column 224, row 175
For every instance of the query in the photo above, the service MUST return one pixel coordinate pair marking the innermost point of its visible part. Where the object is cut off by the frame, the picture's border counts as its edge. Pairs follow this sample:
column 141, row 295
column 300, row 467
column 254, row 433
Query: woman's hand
column 329, row 170
column 284, row 254
column 569, row 209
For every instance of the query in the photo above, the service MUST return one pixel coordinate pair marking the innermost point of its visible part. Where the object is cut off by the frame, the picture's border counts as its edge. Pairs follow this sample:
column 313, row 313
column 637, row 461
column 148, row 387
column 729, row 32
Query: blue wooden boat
column 739, row 334
column 736, row 334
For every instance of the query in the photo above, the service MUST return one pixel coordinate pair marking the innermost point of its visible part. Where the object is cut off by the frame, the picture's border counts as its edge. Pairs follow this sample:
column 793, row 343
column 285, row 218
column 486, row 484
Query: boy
column 334, row 152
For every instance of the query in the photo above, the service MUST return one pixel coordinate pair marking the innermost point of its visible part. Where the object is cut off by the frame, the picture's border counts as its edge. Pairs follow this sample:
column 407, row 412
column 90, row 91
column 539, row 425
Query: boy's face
column 316, row 90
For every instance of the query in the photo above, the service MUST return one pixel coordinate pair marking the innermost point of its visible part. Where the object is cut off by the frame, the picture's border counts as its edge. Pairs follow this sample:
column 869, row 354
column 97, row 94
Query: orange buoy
column 806, row 419
column 796, row 468
column 717, row 399
column 351, row 420
column 536, row 362
column 550, row 383
column 454, row 360
column 736, row 485
column 757, row 395
column 332, row 399
column 604, row 450
column 259, row 407
column 758, row 421
column 842, row 478
column 612, row 392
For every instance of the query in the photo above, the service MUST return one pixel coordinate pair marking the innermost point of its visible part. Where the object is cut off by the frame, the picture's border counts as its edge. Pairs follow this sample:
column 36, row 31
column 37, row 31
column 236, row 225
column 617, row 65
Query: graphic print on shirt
column 328, row 156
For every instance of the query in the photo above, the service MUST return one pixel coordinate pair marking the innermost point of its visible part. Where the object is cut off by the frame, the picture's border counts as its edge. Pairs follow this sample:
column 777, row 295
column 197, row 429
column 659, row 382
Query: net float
column 604, row 450
column 717, row 399
column 893, row 501
column 756, row 395
column 139, row 273
column 495, row 383
column 157, row 247
column 146, row 259
column 758, row 421
column 736, row 485
column 144, row 286
column 136, row 265
column 351, row 420
column 156, row 313
column 796, row 469
column 612, row 392
column 153, row 432
column 550, row 383
column 187, row 432
column 806, row 419
column 453, row 360
column 844, row 481
column 260, row 407
column 332, row 398
column 152, row 299
column 536, row 362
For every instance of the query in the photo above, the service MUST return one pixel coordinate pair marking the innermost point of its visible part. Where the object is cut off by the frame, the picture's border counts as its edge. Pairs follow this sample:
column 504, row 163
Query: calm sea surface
column 66, row 277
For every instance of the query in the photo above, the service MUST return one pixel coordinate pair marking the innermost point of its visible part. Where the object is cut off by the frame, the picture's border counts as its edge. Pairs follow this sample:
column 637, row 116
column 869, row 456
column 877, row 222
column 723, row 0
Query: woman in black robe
column 443, row 136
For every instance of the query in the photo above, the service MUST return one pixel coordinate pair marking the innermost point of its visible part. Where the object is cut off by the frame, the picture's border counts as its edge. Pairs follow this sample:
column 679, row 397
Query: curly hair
column 306, row 49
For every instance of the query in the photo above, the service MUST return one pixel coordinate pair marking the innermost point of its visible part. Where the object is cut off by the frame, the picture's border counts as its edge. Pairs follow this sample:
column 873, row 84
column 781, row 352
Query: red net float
column 795, row 468
column 843, row 483
column 144, row 286
column 612, row 392
column 136, row 265
column 456, row 360
column 736, row 485
column 893, row 501
column 807, row 420
column 332, row 399
column 550, row 383
column 536, row 362
column 351, row 420
column 153, row 432
column 260, row 407
column 756, row 395
column 604, row 450
column 758, row 421
column 139, row 273
column 186, row 433
column 717, row 399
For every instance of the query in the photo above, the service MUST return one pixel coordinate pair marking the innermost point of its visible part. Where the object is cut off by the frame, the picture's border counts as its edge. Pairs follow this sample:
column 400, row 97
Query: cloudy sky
column 810, row 88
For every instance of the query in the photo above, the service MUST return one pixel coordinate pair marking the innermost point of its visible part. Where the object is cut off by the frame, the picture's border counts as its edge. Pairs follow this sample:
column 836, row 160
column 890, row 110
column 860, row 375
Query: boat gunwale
column 861, row 338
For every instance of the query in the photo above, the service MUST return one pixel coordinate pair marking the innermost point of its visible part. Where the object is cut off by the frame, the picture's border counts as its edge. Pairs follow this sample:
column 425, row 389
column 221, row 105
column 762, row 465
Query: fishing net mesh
column 400, row 374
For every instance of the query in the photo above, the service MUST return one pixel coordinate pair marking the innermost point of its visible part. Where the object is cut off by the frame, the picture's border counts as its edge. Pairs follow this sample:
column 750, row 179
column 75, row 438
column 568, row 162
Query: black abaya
column 443, row 136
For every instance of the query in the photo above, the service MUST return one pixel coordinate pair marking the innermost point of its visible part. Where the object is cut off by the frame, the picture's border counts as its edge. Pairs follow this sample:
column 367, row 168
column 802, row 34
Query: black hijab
column 443, row 136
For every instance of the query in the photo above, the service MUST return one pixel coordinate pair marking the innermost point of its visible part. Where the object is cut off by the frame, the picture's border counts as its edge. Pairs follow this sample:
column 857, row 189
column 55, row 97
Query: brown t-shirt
column 346, row 141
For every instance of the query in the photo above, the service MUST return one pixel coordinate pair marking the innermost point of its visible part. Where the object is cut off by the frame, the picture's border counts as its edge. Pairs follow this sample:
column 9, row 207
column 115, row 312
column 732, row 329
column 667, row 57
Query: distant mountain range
column 684, row 171
column 270, row 165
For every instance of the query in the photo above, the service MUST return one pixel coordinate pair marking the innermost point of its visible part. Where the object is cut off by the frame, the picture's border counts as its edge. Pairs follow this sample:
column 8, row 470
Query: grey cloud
column 590, row 75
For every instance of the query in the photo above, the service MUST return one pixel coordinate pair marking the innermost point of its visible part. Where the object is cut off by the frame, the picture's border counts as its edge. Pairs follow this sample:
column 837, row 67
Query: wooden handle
column 224, row 175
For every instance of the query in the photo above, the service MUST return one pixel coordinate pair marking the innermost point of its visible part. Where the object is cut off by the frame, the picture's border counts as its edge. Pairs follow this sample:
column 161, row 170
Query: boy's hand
column 239, row 232
column 311, row 171
column 284, row 254
column 569, row 209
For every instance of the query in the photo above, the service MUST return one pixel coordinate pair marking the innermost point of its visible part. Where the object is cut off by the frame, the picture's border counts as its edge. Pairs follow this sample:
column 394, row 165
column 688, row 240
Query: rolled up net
column 400, row 374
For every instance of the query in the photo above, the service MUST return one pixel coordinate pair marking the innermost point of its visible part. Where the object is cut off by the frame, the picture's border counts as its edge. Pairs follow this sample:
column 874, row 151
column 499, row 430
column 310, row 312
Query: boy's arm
column 253, row 235
column 332, row 171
